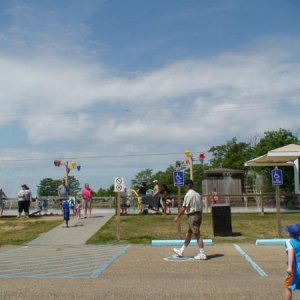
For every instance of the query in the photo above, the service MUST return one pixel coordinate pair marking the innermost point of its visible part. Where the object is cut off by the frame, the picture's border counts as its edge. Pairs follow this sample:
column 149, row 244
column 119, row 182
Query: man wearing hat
column 292, row 245
column 193, row 206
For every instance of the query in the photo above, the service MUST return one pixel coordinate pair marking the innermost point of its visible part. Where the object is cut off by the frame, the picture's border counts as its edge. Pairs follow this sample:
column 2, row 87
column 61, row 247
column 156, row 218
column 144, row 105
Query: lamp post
column 69, row 166
column 189, row 155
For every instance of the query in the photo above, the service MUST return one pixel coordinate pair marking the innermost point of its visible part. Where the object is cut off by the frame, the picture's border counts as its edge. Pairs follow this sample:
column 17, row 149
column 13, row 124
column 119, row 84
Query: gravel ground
column 142, row 273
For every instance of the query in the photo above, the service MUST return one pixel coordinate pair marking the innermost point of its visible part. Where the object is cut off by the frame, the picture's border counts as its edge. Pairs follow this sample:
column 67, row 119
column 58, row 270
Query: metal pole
column 278, row 210
column 67, row 173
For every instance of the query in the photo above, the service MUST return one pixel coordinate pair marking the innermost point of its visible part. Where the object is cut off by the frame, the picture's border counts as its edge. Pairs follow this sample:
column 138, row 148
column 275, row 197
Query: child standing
column 292, row 280
column 78, row 207
column 66, row 211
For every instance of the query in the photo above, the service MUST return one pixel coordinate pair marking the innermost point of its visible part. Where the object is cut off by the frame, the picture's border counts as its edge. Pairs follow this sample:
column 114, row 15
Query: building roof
column 283, row 156
column 222, row 171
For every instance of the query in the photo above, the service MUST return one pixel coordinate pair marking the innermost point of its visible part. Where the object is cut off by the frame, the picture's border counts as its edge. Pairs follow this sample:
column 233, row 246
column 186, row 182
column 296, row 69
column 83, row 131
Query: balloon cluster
column 72, row 165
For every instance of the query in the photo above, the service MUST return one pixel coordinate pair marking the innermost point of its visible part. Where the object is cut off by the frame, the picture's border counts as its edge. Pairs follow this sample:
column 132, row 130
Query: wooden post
column 118, row 216
column 277, row 195
column 191, row 167
column 179, row 206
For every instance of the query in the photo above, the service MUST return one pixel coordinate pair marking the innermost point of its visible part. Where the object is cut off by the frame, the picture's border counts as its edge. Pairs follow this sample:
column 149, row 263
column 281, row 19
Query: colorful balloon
column 57, row 163
column 187, row 153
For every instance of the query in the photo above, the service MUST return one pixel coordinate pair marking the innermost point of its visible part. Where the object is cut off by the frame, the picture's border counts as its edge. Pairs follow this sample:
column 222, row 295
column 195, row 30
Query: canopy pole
column 296, row 175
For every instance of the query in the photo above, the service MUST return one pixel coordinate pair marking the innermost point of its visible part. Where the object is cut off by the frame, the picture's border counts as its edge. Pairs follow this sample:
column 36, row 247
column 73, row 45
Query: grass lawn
column 142, row 229
column 19, row 231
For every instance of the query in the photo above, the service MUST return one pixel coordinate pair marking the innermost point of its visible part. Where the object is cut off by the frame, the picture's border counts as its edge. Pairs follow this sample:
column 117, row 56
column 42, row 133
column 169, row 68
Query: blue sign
column 277, row 178
column 178, row 178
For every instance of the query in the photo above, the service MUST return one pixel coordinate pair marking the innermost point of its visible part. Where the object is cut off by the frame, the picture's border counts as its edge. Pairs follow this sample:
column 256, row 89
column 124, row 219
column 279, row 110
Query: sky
column 123, row 86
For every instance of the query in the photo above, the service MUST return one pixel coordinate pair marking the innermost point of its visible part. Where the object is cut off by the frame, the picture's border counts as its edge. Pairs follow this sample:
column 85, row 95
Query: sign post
column 119, row 187
column 277, row 180
column 178, row 179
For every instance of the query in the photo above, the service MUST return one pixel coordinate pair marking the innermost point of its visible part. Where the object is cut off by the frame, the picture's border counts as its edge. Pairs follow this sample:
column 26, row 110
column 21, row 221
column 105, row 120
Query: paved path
column 77, row 233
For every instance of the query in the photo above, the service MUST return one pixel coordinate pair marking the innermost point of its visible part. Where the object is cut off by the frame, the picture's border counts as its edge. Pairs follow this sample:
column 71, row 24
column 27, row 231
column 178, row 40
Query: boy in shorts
column 292, row 245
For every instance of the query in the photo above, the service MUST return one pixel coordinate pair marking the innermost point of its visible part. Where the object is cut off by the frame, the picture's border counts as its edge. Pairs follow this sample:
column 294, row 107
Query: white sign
column 119, row 184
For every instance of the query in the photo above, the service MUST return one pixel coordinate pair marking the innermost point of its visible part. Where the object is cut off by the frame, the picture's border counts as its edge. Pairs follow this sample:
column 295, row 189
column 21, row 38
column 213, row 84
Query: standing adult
column 124, row 202
column 24, row 198
column 63, row 191
column 156, row 194
column 142, row 193
column 193, row 206
column 87, row 197
column 143, row 188
column 2, row 202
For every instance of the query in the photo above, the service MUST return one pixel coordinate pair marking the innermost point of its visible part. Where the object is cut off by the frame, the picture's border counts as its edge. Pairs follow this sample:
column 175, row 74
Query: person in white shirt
column 24, row 199
column 193, row 206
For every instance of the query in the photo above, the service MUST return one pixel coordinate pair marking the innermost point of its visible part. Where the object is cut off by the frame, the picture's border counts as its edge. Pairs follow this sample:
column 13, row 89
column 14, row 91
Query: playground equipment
column 136, row 199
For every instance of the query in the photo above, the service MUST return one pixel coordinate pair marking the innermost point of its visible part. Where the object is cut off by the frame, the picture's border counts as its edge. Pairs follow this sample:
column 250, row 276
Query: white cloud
column 73, row 105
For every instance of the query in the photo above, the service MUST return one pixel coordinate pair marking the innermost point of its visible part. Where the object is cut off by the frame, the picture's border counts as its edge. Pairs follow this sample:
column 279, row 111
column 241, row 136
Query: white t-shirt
column 192, row 201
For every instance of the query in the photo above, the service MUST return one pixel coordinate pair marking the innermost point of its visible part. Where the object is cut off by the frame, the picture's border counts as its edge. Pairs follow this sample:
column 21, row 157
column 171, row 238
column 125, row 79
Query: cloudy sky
column 121, row 86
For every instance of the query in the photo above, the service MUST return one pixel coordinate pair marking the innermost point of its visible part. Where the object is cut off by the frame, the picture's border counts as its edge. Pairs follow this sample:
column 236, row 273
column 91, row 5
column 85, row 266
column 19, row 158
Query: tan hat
column 155, row 181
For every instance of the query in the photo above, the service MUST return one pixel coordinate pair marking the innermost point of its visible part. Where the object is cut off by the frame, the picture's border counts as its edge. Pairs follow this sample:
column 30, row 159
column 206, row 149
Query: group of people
column 86, row 203
column 160, row 198
column 63, row 192
column 24, row 199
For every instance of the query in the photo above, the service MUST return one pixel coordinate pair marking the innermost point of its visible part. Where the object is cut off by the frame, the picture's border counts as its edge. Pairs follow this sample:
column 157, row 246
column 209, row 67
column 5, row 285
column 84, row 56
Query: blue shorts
column 67, row 216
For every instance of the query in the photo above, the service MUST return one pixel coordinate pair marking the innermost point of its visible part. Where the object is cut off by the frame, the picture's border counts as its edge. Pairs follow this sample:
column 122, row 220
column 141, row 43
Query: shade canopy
column 283, row 156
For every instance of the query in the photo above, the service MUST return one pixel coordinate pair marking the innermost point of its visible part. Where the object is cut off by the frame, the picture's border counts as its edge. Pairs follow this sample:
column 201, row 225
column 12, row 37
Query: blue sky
column 94, row 80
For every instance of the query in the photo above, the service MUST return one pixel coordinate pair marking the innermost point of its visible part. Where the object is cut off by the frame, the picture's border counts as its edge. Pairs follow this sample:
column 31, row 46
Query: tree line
column 232, row 155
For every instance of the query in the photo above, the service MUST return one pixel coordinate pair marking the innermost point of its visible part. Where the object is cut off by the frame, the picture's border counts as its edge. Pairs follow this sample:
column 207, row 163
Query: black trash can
column 221, row 217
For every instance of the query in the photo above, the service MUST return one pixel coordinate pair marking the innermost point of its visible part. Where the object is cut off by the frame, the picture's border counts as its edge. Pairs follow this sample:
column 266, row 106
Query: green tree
column 146, row 174
column 232, row 155
column 106, row 192
column 275, row 139
column 74, row 185
column 49, row 186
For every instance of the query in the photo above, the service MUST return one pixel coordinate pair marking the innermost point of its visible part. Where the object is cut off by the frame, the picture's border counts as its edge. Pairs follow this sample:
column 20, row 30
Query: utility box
column 221, row 217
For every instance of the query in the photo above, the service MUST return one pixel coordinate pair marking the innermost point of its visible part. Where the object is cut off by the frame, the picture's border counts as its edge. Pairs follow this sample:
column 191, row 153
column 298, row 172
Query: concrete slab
column 77, row 233
column 142, row 273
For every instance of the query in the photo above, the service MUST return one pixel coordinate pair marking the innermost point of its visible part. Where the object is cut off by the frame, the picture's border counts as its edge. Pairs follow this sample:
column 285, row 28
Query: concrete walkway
column 77, row 233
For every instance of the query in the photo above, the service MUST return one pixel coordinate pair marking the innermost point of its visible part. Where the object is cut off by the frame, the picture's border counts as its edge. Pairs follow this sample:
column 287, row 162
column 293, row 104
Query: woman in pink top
column 87, row 195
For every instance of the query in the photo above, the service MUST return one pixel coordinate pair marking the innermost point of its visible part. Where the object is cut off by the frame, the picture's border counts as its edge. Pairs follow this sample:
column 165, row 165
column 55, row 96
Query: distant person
column 292, row 246
column 124, row 202
column 143, row 188
column 63, row 191
column 87, row 197
column 24, row 198
column 156, row 188
column 193, row 206
column 142, row 191
column 215, row 196
column 3, row 197
column 72, row 203
column 66, row 211
column 166, row 199
column 78, row 208
column 157, row 198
